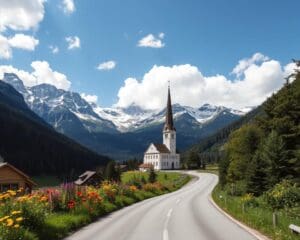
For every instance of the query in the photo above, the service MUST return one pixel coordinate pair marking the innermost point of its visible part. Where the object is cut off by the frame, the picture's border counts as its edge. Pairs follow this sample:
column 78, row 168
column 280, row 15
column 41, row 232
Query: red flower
column 71, row 204
column 79, row 194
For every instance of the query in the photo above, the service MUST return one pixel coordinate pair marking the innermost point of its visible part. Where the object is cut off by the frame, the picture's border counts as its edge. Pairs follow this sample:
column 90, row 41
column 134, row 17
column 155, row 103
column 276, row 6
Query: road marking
column 165, row 235
column 178, row 201
column 169, row 214
column 165, row 232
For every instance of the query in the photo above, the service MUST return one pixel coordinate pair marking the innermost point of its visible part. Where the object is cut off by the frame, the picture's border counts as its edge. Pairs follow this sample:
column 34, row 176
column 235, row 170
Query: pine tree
column 258, row 174
column 152, row 175
column 275, row 153
column 112, row 172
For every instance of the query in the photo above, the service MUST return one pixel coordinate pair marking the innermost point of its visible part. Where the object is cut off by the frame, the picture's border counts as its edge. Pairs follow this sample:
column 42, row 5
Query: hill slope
column 32, row 145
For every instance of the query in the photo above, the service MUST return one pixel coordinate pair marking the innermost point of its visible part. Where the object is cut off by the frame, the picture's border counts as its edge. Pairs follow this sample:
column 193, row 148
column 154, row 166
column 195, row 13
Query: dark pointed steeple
column 169, row 115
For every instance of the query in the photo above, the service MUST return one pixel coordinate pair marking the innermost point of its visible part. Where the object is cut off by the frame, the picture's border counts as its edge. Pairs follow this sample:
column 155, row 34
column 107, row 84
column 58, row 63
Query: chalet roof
column 169, row 125
column 146, row 165
column 27, row 178
column 162, row 148
column 84, row 177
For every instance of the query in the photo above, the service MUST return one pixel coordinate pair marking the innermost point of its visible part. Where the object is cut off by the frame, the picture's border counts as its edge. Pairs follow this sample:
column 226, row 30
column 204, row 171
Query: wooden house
column 12, row 178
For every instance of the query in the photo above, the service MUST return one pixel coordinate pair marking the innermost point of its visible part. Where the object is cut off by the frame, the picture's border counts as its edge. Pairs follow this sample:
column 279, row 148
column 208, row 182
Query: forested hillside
column 266, row 151
column 210, row 150
column 32, row 145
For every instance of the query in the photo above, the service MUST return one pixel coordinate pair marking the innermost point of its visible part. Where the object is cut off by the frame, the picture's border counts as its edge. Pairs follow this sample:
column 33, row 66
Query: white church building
column 164, row 156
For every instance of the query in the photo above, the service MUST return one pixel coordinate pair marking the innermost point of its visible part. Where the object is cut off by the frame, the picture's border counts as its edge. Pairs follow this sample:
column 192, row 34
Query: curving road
column 184, row 214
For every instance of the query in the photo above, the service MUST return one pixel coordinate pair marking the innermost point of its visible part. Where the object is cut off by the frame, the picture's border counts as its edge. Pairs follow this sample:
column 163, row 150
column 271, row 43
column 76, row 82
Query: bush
column 236, row 189
column 284, row 195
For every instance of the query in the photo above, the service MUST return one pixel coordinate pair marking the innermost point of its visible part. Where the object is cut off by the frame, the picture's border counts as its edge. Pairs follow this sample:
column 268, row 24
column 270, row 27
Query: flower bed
column 53, row 213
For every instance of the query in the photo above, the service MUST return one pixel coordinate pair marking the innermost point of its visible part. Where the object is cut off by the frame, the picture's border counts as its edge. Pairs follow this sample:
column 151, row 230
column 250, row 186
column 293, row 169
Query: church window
column 172, row 135
column 166, row 135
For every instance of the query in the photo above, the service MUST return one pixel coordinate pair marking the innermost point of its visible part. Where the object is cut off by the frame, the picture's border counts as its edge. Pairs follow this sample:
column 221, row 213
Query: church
column 164, row 156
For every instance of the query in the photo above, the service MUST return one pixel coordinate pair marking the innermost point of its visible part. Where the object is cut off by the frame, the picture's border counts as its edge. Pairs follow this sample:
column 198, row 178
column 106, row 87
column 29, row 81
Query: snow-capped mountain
column 118, row 132
column 134, row 118
column 62, row 109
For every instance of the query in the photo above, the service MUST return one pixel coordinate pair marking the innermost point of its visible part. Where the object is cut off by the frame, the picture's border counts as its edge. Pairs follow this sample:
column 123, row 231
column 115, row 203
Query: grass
column 46, row 181
column 165, row 178
column 59, row 225
column 258, row 216
column 210, row 168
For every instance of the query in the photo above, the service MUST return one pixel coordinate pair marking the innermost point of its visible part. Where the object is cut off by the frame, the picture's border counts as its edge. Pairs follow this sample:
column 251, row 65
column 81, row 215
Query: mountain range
column 118, row 132
column 31, row 144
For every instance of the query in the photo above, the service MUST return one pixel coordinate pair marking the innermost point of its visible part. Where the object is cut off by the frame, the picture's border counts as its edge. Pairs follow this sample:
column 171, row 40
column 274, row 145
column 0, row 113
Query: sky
column 118, row 53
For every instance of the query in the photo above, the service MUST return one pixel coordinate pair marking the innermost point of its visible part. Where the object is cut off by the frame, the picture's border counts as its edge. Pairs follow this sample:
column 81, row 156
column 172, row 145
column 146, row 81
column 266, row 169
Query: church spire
column 169, row 115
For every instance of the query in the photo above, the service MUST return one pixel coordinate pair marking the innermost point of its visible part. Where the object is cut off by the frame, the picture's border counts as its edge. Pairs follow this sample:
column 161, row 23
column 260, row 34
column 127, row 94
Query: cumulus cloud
column 109, row 65
column 20, row 41
column 152, row 41
column 68, row 6
column 246, row 62
column 93, row 99
column 5, row 48
column 23, row 41
column 73, row 42
column 54, row 49
column 21, row 14
column 42, row 73
column 255, row 79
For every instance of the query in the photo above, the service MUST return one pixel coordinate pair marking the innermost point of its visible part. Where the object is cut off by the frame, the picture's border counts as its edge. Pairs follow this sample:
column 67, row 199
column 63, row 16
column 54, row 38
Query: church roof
column 162, row 148
column 169, row 125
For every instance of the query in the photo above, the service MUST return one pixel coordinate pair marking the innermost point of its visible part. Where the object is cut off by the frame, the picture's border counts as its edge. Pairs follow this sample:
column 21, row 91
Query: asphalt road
column 186, row 214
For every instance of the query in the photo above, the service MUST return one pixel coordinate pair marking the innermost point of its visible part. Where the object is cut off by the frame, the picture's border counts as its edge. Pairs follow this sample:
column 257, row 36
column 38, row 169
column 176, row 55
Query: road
column 186, row 214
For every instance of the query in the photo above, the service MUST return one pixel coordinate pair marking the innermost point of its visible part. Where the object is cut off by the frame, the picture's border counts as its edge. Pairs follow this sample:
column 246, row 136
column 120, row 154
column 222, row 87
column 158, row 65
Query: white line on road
column 165, row 232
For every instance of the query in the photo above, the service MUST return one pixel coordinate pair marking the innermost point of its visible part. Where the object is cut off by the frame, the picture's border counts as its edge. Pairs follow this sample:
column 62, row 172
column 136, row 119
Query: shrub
column 284, row 195
column 34, row 210
column 152, row 175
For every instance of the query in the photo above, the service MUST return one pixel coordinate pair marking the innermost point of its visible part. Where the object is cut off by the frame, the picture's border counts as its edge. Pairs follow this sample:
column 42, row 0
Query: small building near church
column 12, row 178
column 88, row 178
column 164, row 156
column 145, row 167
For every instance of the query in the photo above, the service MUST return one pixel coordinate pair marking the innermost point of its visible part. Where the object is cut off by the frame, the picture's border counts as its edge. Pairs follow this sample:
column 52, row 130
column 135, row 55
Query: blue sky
column 210, row 35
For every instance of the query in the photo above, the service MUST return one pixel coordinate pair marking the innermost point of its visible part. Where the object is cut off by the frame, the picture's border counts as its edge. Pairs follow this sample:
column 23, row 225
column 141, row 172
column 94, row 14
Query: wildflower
column 71, row 204
column 15, row 212
column 19, row 219
column 9, row 222
column 16, row 226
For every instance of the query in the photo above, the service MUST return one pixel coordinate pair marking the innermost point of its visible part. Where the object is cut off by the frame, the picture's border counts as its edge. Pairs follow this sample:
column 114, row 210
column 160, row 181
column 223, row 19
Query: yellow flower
column 4, row 218
column 19, row 219
column 9, row 222
column 15, row 212
column 16, row 226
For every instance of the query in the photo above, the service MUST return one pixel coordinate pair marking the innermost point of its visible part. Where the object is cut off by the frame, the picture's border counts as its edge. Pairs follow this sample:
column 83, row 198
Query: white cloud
column 93, row 99
column 21, row 41
column 21, row 14
column 68, row 6
column 151, row 41
column 54, row 49
column 5, row 48
column 73, row 42
column 246, row 62
column 109, row 65
column 42, row 73
column 189, row 87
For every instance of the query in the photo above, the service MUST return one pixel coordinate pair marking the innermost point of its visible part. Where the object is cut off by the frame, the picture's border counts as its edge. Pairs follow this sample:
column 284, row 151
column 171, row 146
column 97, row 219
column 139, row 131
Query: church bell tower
column 169, row 132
